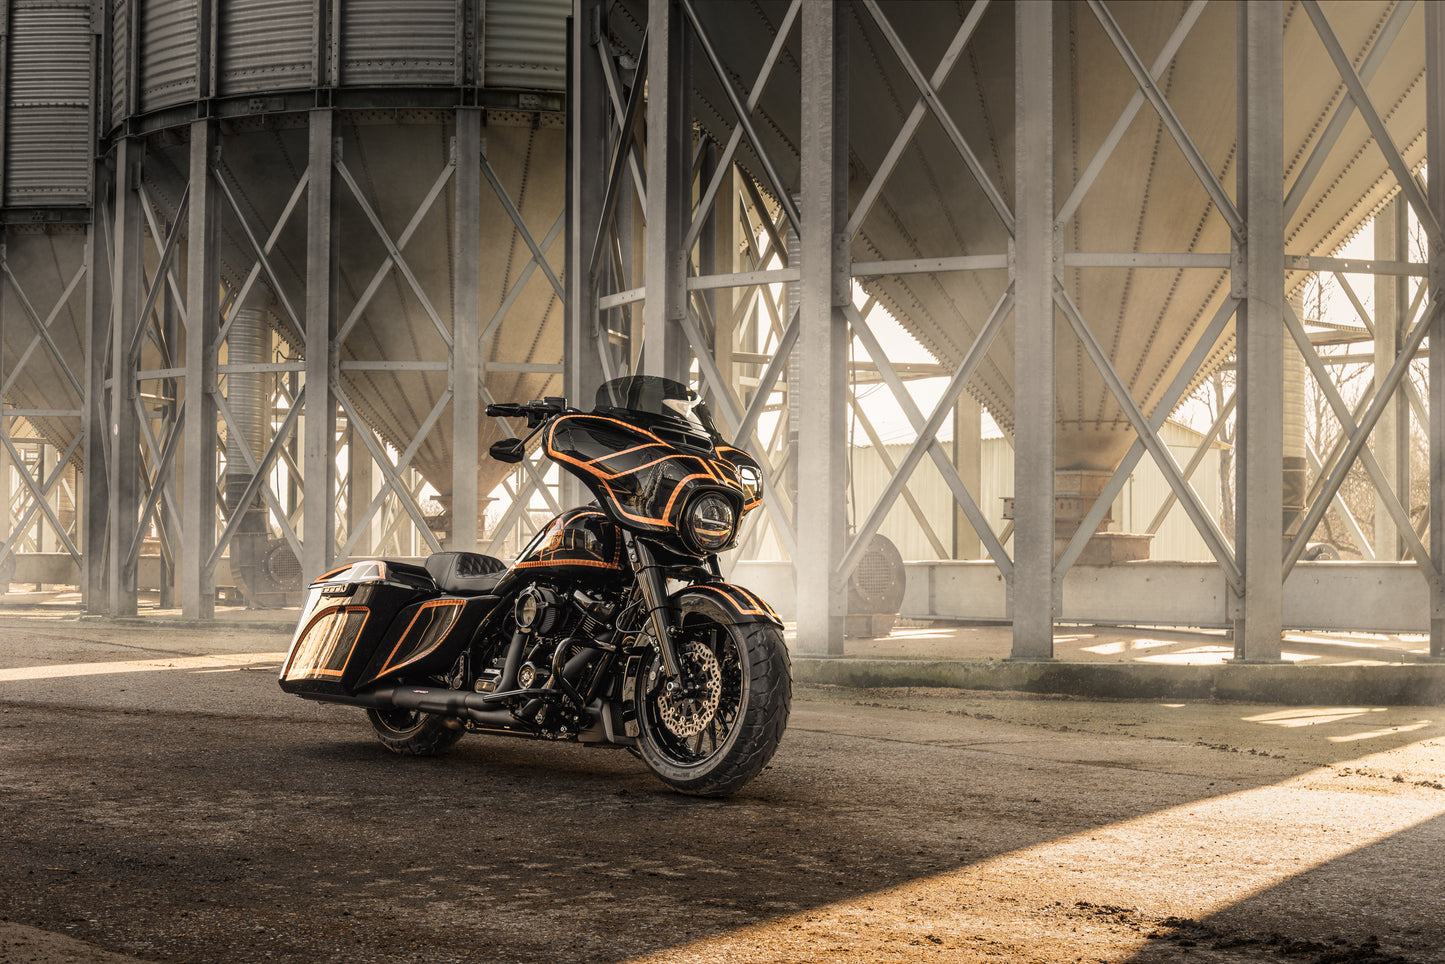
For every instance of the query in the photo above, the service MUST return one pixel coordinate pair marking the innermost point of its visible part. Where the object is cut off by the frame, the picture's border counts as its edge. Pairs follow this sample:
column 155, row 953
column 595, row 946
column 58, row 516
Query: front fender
column 741, row 605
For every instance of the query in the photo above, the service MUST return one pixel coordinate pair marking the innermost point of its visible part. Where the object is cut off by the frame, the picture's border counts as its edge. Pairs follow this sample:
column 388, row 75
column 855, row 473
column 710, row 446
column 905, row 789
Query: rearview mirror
column 507, row 450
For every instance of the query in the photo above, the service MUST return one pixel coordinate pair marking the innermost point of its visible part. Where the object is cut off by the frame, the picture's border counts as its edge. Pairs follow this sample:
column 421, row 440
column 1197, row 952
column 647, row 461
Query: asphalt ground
column 162, row 800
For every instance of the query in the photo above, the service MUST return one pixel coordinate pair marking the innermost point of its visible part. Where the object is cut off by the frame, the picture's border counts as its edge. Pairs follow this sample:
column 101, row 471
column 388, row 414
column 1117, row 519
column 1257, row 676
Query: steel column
column 358, row 489
column 95, row 500
column 669, row 183
column 1435, row 161
column 1032, row 592
column 124, row 425
column 968, row 459
column 1259, row 523
column 319, row 461
column 1391, row 437
column 584, row 338
column 466, row 355
column 820, row 391
column 203, row 318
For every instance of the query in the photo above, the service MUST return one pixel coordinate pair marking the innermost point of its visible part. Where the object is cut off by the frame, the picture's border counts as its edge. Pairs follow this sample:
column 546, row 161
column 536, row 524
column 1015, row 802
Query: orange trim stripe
column 388, row 667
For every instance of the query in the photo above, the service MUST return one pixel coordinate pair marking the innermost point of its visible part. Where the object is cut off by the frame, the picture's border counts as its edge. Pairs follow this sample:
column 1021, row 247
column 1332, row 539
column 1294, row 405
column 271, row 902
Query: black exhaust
column 444, row 702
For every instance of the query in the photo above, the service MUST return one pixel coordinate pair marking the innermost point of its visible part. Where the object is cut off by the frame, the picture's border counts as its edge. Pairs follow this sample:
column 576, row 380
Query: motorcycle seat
column 465, row 573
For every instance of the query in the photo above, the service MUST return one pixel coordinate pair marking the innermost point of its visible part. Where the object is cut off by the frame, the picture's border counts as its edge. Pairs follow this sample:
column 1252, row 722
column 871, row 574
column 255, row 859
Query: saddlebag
column 346, row 617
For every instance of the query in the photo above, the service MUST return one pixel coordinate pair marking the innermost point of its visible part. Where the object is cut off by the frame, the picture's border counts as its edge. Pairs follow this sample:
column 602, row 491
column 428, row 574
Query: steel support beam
column 1033, row 591
column 1391, row 437
column 95, row 498
column 820, row 392
column 124, row 426
column 1259, row 525
column 669, row 180
column 203, row 314
column 584, row 339
column 319, row 461
column 466, row 354
column 1435, row 161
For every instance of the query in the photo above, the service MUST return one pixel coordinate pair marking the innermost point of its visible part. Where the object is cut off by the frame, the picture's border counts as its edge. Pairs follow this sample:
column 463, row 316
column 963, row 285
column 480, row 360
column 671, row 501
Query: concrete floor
column 162, row 800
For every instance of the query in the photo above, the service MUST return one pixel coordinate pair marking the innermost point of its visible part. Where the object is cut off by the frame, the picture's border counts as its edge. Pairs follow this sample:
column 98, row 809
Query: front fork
column 652, row 581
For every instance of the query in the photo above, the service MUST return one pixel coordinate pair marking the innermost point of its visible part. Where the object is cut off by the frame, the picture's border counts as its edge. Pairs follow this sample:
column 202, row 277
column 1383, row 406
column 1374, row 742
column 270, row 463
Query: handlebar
column 535, row 412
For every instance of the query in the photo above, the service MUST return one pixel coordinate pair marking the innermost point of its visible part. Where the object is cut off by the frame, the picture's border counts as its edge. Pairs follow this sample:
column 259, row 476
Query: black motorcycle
column 613, row 627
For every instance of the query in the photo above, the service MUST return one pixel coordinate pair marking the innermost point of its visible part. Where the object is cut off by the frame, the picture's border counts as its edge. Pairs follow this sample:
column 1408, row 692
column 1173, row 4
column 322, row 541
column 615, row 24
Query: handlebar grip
column 505, row 410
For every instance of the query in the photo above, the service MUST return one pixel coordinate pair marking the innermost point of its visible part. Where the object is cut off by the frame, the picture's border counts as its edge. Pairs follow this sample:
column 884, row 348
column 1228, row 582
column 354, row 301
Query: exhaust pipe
column 455, row 703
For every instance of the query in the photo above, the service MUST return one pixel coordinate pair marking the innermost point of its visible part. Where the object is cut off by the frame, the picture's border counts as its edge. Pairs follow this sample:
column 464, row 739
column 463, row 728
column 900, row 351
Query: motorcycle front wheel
column 722, row 726
column 412, row 733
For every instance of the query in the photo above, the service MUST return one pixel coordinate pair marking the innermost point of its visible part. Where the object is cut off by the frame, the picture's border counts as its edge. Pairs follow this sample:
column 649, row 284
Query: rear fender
column 739, row 604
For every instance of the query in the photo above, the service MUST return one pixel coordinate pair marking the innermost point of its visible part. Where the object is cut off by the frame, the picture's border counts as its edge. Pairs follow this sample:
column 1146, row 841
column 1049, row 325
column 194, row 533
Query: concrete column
column 466, row 331
column 203, row 316
column 1031, row 596
column 1390, row 440
column 669, row 179
column 586, row 173
column 1259, row 321
column 319, row 458
column 95, row 494
column 1435, row 161
column 124, row 426
column 820, row 392
column 968, row 459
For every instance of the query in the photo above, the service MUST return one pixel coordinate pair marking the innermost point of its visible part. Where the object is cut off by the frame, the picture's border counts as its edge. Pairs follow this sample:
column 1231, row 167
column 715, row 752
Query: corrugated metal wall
column 270, row 45
column 525, row 43
column 47, row 126
column 383, row 42
column 168, row 62
column 266, row 45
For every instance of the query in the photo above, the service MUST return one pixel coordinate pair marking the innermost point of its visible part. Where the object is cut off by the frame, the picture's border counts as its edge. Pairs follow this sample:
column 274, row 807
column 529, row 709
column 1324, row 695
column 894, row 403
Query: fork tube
column 653, row 583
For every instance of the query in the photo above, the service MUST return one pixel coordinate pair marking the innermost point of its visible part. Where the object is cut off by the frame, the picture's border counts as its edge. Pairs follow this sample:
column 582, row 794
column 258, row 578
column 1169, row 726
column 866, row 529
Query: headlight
column 709, row 522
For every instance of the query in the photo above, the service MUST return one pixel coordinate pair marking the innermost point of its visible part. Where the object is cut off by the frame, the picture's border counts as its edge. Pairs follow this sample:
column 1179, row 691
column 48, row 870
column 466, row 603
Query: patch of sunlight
column 1376, row 734
column 1173, row 706
column 228, row 661
column 1115, row 649
column 1194, row 656
column 1312, row 716
column 1213, row 853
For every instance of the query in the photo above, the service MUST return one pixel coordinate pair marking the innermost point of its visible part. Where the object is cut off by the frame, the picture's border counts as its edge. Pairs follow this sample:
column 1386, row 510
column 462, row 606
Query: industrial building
column 266, row 261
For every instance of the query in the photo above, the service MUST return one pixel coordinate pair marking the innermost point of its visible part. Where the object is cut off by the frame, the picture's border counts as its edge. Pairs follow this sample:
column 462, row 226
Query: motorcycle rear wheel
column 412, row 733
column 713, row 741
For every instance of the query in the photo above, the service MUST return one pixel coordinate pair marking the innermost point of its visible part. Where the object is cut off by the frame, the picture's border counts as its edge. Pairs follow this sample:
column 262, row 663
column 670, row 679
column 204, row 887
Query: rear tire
column 714, row 741
column 412, row 733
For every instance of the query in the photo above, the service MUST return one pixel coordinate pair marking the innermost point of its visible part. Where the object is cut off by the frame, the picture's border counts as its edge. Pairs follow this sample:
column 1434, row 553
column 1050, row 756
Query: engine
column 559, row 634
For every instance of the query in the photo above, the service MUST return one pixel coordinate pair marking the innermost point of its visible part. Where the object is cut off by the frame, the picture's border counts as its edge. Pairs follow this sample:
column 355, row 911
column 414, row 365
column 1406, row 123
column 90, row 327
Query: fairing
column 644, row 477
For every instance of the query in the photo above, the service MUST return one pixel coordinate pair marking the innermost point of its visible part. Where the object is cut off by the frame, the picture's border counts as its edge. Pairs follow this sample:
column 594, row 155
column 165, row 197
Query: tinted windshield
column 656, row 397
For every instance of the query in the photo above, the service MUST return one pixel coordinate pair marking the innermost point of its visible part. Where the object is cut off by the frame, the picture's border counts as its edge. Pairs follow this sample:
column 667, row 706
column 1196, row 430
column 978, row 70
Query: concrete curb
column 1408, row 684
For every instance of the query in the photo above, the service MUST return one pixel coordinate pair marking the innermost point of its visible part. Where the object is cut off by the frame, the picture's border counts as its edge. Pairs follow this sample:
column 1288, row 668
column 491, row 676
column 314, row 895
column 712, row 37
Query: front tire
column 412, row 733
column 714, row 738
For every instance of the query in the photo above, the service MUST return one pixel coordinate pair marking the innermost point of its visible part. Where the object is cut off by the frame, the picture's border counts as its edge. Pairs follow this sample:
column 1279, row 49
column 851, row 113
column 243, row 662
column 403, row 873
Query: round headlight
column 710, row 522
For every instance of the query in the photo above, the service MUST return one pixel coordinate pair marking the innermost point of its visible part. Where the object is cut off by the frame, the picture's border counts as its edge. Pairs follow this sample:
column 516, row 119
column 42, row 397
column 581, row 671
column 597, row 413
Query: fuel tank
column 643, row 478
column 581, row 544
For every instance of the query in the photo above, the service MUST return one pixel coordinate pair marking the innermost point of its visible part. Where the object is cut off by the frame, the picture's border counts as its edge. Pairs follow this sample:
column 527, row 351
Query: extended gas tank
column 644, row 477
column 582, row 544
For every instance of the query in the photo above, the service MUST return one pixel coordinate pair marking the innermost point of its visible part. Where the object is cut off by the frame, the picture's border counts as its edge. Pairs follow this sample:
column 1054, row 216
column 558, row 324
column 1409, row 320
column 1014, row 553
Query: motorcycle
column 613, row 627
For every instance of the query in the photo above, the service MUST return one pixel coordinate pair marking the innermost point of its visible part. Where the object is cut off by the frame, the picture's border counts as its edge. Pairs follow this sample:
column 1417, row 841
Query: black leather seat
column 465, row 573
